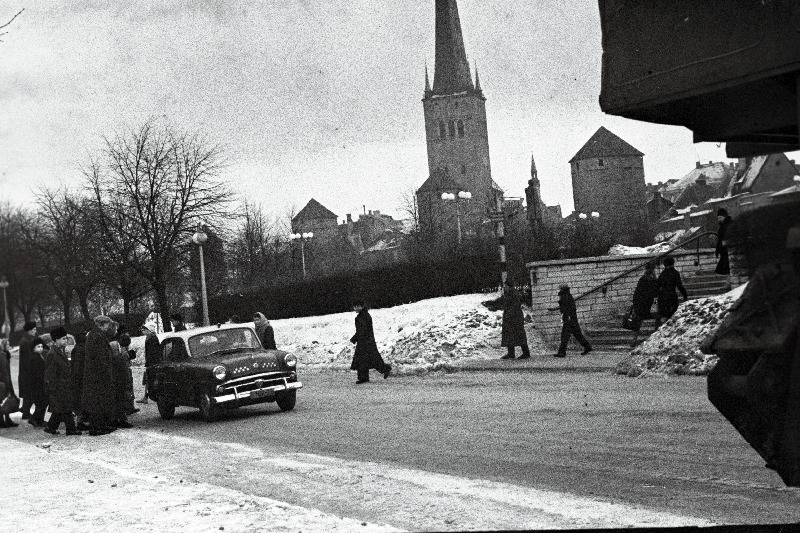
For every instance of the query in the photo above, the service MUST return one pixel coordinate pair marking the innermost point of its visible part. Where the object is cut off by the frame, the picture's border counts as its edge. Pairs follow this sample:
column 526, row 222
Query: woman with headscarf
column 265, row 332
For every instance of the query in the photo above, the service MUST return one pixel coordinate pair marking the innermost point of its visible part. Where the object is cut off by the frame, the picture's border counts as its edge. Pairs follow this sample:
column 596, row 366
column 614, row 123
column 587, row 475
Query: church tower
column 456, row 133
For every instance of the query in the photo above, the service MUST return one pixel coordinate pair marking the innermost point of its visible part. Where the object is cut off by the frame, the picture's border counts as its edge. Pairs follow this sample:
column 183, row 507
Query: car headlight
column 290, row 360
column 220, row 372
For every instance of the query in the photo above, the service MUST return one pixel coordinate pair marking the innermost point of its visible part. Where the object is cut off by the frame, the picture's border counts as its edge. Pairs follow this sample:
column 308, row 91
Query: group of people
column 96, row 382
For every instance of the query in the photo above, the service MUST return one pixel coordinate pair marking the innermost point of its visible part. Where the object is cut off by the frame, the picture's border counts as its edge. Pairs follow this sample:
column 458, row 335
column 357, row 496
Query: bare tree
column 7, row 24
column 153, row 188
column 252, row 251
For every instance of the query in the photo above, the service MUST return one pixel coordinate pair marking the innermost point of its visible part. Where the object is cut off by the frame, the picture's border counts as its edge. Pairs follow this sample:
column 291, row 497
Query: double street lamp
column 200, row 238
column 462, row 195
column 302, row 237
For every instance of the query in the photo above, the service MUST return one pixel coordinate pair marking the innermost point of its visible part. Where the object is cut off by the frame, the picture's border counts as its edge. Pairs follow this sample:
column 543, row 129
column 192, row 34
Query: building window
column 600, row 163
column 460, row 128
column 442, row 130
column 451, row 126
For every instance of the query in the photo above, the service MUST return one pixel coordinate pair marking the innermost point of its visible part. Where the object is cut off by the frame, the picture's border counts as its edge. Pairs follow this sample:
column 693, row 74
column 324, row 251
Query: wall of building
column 584, row 274
column 615, row 189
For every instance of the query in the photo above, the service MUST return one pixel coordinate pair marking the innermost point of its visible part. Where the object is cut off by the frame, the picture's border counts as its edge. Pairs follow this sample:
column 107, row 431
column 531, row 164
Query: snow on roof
column 701, row 213
column 714, row 174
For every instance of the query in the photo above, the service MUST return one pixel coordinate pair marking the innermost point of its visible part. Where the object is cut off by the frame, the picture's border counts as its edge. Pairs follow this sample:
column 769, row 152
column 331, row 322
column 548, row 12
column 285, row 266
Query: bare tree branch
column 9, row 22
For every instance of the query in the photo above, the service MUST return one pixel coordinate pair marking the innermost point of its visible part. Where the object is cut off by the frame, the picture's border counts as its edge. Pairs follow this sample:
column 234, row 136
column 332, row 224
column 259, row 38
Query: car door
column 168, row 378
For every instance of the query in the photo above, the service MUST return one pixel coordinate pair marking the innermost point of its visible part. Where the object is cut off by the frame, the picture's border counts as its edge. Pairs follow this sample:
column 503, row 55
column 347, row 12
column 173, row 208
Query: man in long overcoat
column 58, row 382
column 669, row 281
column 97, row 393
column 25, row 356
column 78, row 358
column 152, row 353
column 36, row 390
column 513, row 331
column 367, row 355
column 569, row 322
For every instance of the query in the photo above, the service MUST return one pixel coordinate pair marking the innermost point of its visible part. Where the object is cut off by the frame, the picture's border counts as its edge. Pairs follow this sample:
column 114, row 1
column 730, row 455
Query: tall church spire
column 477, row 81
column 534, row 173
column 427, row 81
column 451, row 71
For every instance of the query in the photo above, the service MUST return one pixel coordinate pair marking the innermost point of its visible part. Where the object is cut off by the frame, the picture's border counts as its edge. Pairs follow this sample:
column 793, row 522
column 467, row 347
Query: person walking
column 152, row 351
column 643, row 297
column 58, row 382
column 569, row 322
column 36, row 388
column 97, row 396
column 721, row 251
column 366, row 355
column 23, row 379
column 265, row 332
column 513, row 329
column 5, row 378
column 669, row 281
column 177, row 322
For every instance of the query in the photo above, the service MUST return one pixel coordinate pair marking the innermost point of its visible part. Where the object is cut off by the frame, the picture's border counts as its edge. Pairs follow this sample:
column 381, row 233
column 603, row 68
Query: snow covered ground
column 419, row 337
column 675, row 347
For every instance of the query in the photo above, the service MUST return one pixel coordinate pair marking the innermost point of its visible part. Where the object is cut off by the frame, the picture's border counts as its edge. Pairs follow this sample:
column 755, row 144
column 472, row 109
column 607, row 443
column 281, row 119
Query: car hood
column 245, row 363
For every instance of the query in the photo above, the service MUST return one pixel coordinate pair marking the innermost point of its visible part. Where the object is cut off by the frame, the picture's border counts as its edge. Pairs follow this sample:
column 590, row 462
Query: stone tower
column 608, row 178
column 456, row 133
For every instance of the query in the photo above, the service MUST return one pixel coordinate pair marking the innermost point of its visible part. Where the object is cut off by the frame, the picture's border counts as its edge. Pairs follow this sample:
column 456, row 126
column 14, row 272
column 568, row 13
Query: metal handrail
column 637, row 267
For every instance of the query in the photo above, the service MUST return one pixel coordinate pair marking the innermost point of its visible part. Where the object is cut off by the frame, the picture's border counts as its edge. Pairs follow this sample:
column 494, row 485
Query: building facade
column 456, row 134
column 608, row 179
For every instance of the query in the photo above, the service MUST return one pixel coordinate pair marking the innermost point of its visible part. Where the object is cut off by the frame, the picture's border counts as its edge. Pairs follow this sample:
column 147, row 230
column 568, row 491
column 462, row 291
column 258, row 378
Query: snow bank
column 675, row 347
column 620, row 249
column 414, row 338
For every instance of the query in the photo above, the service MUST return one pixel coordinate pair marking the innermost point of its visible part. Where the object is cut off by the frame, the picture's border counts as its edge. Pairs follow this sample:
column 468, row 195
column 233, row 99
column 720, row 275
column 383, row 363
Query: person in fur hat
column 58, row 382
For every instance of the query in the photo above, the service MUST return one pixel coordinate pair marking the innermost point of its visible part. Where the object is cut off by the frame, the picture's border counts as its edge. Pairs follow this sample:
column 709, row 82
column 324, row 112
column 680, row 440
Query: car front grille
column 257, row 381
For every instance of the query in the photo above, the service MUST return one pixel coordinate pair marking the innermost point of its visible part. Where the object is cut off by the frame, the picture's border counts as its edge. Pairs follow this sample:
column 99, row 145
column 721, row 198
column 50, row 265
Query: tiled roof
column 604, row 144
column 314, row 211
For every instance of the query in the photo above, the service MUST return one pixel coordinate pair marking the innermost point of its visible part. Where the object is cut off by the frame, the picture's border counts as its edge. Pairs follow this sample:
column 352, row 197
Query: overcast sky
column 309, row 98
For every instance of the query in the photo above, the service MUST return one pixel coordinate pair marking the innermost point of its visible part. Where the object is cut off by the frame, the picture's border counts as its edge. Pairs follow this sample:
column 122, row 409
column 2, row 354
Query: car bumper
column 264, row 394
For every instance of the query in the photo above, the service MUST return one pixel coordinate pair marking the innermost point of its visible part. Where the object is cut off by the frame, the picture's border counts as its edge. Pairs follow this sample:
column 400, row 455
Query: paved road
column 654, row 442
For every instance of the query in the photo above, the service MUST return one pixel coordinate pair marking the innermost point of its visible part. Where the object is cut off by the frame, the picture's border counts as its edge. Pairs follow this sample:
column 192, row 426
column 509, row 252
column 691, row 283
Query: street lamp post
column 462, row 195
column 302, row 237
column 6, row 321
column 199, row 238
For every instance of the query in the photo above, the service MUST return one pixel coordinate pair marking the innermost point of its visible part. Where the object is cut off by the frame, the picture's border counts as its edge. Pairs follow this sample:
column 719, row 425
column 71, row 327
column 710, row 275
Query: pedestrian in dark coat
column 78, row 358
column 25, row 356
column 265, row 332
column 37, row 391
column 119, row 370
column 366, row 355
column 569, row 322
column 58, row 382
column 97, row 396
column 721, row 250
column 643, row 297
column 513, row 330
column 669, row 281
column 5, row 378
column 152, row 353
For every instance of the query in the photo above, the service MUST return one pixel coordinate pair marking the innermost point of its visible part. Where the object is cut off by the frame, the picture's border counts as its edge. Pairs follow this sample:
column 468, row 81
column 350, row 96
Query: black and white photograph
column 409, row 265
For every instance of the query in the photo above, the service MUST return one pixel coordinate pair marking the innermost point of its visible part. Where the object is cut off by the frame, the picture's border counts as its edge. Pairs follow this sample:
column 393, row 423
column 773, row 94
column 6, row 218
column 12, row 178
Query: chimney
column 349, row 218
column 698, row 165
column 710, row 162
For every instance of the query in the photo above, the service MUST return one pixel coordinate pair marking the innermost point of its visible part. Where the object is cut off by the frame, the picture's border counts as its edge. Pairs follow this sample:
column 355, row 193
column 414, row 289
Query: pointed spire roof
column 314, row 211
column 604, row 144
column 534, row 173
column 451, row 71
column 427, row 81
column 477, row 81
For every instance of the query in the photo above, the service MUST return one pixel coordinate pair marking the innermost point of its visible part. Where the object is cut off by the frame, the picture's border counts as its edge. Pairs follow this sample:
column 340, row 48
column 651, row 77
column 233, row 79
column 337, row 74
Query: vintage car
column 220, row 367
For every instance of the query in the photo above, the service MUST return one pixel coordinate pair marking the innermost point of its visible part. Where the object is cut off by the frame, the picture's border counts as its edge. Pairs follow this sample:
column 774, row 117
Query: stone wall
column 586, row 273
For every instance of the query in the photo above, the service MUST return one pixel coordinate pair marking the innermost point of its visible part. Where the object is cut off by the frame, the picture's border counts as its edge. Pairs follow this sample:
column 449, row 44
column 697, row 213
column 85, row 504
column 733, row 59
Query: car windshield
column 223, row 339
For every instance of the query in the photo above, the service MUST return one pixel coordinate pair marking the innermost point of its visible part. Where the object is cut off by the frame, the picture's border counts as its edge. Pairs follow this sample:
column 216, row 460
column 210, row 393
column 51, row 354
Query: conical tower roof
column 604, row 144
column 451, row 72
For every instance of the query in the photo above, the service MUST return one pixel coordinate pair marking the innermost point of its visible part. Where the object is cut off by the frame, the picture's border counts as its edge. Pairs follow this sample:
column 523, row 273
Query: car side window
column 166, row 350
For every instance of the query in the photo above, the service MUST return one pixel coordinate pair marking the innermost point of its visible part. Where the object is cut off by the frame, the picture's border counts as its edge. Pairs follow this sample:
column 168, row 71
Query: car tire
column 208, row 409
column 165, row 408
column 286, row 400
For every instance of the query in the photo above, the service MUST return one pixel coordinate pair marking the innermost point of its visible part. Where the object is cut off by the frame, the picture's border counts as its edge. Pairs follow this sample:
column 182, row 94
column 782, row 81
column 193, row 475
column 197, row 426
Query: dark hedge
column 384, row 287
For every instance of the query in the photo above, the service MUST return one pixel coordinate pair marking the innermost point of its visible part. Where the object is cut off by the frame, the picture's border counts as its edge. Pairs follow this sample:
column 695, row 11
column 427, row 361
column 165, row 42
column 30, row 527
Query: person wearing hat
column 366, row 355
column 97, row 391
column 36, row 389
column 569, row 322
column 58, row 382
column 669, row 281
column 177, row 322
column 513, row 326
column 25, row 356
column 721, row 251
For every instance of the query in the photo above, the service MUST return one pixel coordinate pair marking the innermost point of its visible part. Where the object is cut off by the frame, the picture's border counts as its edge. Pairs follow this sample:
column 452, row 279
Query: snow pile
column 414, row 338
column 620, row 249
column 675, row 347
